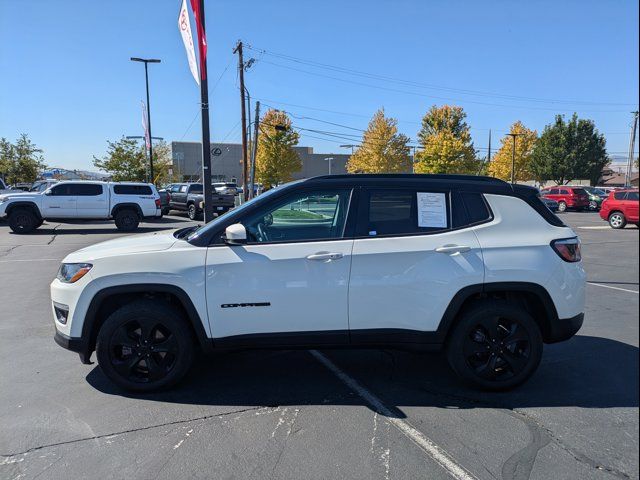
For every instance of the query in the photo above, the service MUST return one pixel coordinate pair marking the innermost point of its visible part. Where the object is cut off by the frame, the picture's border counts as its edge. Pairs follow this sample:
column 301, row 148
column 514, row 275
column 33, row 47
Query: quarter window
column 196, row 188
column 633, row 196
column 301, row 216
column 476, row 206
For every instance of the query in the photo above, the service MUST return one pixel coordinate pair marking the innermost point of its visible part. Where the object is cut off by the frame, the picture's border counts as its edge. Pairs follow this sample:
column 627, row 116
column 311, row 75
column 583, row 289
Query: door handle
column 324, row 256
column 453, row 249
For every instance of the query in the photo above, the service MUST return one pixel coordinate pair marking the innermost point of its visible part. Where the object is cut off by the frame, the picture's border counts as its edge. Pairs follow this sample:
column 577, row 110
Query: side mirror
column 47, row 192
column 235, row 234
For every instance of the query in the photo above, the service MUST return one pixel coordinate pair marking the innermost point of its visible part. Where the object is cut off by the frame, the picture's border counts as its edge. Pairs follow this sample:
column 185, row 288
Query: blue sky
column 67, row 80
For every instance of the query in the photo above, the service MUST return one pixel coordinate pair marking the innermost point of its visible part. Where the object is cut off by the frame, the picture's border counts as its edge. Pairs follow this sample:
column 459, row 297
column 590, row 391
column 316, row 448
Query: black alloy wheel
column 143, row 350
column 495, row 345
column 497, row 348
column 145, row 345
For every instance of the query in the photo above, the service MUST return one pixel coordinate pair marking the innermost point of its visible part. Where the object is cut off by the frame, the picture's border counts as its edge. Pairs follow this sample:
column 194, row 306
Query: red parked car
column 567, row 197
column 620, row 208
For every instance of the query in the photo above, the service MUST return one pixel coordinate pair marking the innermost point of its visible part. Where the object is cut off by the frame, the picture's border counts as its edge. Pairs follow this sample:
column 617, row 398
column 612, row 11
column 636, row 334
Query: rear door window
column 554, row 191
column 579, row 191
column 400, row 212
column 620, row 195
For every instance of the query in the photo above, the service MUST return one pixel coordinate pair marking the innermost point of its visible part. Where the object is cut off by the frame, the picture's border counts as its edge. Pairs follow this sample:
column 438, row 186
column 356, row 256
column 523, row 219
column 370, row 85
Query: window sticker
column 432, row 210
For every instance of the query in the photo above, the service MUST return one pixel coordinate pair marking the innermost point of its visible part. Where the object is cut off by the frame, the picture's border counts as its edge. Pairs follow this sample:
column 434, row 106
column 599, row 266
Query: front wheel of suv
column 145, row 346
column 192, row 212
column 495, row 346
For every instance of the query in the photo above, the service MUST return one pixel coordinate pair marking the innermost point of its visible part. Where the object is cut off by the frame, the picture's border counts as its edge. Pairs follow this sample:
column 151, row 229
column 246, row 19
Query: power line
column 374, row 76
column 417, row 94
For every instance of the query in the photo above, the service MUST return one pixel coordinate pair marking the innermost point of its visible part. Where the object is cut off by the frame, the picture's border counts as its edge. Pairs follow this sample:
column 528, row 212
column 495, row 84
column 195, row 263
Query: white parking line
column 32, row 260
column 613, row 288
column 599, row 227
column 434, row 451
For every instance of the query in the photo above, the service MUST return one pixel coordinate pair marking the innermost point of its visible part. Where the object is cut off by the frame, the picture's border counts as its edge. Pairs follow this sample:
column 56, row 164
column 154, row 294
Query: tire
column 562, row 207
column 593, row 206
column 165, row 211
column 477, row 348
column 192, row 212
column 23, row 220
column 145, row 346
column 617, row 220
column 127, row 220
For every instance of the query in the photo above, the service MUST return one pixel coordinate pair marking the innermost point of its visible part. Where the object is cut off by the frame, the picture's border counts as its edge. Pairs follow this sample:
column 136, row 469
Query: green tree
column 568, row 150
column 127, row 160
column 383, row 149
column 277, row 160
column 500, row 166
column 21, row 161
column 446, row 143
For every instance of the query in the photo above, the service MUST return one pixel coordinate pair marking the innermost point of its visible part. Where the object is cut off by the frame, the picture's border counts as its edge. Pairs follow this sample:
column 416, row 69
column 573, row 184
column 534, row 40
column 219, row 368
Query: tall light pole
column 146, row 61
column 513, row 156
column 329, row 159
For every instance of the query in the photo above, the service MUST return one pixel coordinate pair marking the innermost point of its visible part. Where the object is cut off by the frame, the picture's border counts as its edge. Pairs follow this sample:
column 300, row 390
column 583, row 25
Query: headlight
column 72, row 272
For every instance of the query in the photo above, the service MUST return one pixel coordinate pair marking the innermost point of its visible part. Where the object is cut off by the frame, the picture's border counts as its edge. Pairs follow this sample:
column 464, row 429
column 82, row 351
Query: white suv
column 125, row 202
column 473, row 265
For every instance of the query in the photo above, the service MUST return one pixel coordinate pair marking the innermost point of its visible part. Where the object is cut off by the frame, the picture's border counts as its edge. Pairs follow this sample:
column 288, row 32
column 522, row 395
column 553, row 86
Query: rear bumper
column 75, row 345
column 565, row 328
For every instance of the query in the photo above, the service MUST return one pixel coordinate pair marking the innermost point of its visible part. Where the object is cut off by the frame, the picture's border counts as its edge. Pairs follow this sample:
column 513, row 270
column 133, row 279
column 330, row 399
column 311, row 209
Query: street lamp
column 349, row 146
column 329, row 159
column 513, row 156
column 146, row 61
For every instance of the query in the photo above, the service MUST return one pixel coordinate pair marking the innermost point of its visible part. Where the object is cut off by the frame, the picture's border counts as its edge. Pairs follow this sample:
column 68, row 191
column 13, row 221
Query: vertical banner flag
column 185, row 30
column 147, row 140
column 202, row 38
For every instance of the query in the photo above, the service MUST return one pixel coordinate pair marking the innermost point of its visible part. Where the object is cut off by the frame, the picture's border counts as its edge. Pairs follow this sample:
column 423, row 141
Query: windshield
column 235, row 213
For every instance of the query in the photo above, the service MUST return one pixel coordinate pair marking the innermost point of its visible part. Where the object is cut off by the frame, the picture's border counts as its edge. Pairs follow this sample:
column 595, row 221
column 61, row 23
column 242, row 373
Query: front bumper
column 564, row 328
column 75, row 345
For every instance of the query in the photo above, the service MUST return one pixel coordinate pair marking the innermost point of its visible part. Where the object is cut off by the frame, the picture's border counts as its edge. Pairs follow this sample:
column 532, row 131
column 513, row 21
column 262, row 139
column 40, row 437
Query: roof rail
column 417, row 176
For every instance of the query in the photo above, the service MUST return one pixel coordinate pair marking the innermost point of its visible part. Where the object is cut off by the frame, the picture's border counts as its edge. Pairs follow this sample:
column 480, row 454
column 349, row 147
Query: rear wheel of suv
column 23, row 220
column 127, row 220
column 145, row 346
column 562, row 206
column 495, row 346
column 617, row 220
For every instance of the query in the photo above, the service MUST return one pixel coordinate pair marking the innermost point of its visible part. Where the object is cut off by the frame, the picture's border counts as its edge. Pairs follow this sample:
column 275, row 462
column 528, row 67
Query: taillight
column 568, row 249
column 158, row 204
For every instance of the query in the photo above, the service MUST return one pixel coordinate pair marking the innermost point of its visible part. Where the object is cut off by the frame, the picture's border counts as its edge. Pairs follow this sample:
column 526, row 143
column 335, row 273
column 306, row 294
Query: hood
column 21, row 195
column 150, row 242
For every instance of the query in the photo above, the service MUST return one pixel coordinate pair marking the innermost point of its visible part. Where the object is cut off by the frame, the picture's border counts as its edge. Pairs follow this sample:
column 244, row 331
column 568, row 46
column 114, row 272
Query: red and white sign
column 202, row 37
column 185, row 31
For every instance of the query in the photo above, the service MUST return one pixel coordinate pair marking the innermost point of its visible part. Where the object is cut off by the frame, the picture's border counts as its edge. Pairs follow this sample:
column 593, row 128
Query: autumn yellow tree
column 500, row 166
column 383, row 149
column 446, row 143
column 277, row 160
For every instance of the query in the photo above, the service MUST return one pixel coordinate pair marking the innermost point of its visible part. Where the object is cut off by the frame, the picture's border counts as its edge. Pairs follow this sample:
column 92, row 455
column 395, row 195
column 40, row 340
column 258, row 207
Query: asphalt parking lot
column 327, row 414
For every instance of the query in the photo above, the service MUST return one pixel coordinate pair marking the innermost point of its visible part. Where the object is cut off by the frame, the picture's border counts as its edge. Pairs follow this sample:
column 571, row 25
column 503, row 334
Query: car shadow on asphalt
column 585, row 372
column 109, row 228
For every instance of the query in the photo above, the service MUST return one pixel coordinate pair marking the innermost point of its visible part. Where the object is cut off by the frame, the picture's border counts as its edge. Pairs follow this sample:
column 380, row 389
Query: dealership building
column 225, row 161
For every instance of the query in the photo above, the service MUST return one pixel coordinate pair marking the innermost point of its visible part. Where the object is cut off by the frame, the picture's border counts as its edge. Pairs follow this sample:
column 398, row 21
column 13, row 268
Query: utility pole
column 238, row 50
column 632, row 142
column 254, row 154
column 513, row 156
column 146, row 61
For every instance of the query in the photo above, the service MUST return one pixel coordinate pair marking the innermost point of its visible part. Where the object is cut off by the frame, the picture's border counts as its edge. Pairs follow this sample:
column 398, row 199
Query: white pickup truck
column 126, row 203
